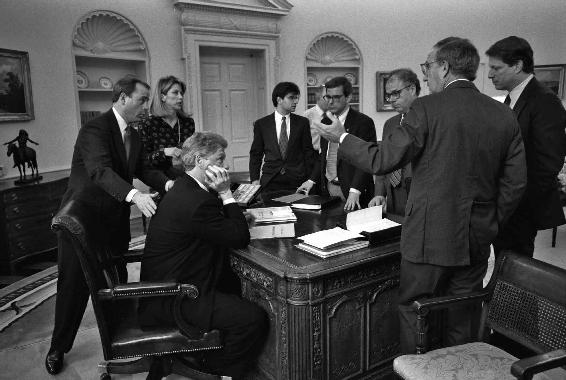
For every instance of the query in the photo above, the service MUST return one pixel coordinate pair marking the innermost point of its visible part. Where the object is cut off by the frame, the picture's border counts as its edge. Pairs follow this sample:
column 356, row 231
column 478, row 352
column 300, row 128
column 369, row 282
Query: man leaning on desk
column 469, row 173
column 189, row 241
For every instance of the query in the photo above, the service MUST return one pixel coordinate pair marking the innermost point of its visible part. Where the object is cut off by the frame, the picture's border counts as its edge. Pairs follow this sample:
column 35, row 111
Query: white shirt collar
column 518, row 90
column 121, row 122
column 198, row 182
column 344, row 114
column 455, row 80
column 278, row 117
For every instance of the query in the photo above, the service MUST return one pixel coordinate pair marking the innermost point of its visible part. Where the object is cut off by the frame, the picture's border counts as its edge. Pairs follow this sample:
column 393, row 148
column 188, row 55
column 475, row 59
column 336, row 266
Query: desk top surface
column 280, row 257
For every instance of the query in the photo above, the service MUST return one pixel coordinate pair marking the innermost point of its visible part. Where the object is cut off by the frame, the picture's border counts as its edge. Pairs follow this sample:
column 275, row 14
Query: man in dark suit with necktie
column 542, row 118
column 105, row 160
column 469, row 173
column 401, row 90
column 283, row 141
column 334, row 175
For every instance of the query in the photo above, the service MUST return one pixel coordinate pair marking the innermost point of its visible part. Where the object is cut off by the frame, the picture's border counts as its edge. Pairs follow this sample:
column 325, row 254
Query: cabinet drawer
column 31, row 193
column 31, row 209
column 30, row 245
column 28, row 226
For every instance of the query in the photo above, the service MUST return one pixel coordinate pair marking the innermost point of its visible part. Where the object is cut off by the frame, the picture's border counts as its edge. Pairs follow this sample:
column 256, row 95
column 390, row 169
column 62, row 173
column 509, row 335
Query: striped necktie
column 283, row 138
column 128, row 141
column 395, row 176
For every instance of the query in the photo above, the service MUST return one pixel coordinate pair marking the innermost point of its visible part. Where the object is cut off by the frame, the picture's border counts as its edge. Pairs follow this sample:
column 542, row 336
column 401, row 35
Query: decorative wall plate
column 351, row 77
column 105, row 82
column 81, row 79
column 312, row 80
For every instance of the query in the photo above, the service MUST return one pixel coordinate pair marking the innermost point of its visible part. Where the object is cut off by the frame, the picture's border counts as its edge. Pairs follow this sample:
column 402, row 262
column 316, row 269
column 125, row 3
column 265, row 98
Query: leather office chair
column 525, row 301
column 162, row 350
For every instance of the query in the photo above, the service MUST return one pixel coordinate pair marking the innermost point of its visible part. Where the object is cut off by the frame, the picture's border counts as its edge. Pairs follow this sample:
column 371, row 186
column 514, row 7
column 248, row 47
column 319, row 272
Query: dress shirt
column 224, row 202
column 123, row 125
column 278, row 118
column 314, row 114
column 518, row 90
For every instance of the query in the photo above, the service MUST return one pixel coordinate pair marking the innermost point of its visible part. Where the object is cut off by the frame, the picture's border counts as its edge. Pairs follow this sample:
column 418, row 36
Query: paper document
column 273, row 214
column 368, row 220
column 290, row 198
column 270, row 231
column 328, row 238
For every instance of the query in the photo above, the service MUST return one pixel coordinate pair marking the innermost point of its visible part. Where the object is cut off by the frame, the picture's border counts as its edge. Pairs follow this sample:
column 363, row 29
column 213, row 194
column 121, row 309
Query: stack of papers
column 331, row 242
column 272, row 231
column 368, row 220
column 273, row 214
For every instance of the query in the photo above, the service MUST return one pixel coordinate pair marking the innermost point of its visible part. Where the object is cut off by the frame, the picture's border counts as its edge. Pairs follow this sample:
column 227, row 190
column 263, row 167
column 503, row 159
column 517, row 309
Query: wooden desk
column 330, row 318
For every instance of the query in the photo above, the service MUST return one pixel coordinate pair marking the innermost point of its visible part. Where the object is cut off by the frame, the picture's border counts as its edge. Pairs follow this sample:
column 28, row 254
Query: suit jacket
column 300, row 153
column 542, row 118
column 469, row 173
column 101, row 176
column 188, row 241
column 349, row 176
column 396, row 196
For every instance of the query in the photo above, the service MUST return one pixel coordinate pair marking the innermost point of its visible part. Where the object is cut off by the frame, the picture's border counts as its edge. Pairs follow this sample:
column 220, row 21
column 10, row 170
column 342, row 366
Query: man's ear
column 519, row 66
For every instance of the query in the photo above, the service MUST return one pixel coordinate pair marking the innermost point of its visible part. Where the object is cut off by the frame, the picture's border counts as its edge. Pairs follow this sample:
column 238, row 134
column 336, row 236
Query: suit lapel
column 272, row 132
column 525, row 95
column 117, row 139
column 293, row 132
column 134, row 151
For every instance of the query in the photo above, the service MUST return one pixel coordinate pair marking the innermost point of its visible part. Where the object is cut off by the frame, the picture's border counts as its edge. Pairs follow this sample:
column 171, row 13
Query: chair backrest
column 528, row 303
column 81, row 224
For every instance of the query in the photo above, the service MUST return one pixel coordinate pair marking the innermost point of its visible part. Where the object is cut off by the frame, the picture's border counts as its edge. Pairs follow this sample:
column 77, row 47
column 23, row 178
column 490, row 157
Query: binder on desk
column 314, row 202
column 370, row 222
column 245, row 193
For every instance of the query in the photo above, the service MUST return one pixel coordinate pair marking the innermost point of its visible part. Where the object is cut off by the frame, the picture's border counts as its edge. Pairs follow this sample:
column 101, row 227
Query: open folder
column 370, row 222
column 331, row 242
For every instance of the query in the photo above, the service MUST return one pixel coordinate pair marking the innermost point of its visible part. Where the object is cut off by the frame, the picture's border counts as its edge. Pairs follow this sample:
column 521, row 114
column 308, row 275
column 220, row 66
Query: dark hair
column 283, row 89
column 127, row 86
column 163, row 86
column 445, row 41
column 203, row 144
column 408, row 77
column 340, row 81
column 511, row 50
column 462, row 56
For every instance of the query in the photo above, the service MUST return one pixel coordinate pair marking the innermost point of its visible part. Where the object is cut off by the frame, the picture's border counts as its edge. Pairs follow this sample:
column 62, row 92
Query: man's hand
column 218, row 179
column 378, row 200
column 331, row 132
column 172, row 152
column 145, row 203
column 352, row 201
column 306, row 187
column 256, row 182
column 249, row 218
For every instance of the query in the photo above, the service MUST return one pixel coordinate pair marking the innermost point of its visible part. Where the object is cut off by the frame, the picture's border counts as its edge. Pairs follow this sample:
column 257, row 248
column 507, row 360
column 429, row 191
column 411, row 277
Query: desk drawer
column 28, row 226
column 40, row 242
column 18, row 196
column 46, row 207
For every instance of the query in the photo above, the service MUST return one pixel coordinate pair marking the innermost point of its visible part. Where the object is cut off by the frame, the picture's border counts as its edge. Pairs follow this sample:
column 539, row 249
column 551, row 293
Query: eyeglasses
column 426, row 66
column 394, row 95
column 334, row 98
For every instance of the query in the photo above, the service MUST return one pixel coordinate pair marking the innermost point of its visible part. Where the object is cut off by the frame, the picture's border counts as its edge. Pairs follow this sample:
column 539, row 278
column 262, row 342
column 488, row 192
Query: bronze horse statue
column 20, row 162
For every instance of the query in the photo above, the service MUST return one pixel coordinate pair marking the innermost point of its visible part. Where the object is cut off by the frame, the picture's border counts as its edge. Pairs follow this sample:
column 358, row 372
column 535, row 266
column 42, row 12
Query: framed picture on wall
column 16, row 103
column 551, row 76
column 381, row 79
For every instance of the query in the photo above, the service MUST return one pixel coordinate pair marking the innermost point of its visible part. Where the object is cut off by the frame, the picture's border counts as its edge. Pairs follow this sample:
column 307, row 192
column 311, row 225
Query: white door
column 230, row 104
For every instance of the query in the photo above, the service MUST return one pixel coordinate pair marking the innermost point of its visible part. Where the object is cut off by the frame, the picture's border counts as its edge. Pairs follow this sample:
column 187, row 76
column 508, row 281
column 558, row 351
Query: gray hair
column 201, row 144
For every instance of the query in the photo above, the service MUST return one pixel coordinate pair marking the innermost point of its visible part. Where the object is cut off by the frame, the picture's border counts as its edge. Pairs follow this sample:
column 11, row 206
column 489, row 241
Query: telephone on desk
column 245, row 193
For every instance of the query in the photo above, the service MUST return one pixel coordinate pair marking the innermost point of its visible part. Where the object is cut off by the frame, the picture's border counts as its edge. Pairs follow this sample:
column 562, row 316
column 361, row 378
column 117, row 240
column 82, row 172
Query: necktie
column 283, row 138
column 507, row 100
column 128, row 141
column 332, row 161
column 395, row 177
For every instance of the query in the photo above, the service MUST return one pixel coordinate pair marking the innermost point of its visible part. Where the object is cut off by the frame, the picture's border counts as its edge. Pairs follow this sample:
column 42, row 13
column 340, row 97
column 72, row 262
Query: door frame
column 268, row 44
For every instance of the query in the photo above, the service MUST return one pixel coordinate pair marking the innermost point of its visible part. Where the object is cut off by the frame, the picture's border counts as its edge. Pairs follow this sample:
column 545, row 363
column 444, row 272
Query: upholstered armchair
column 160, row 350
column 525, row 301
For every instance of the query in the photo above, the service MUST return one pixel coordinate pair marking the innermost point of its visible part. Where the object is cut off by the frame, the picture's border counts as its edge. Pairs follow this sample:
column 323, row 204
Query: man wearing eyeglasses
column 469, row 173
column 335, row 176
column 402, row 88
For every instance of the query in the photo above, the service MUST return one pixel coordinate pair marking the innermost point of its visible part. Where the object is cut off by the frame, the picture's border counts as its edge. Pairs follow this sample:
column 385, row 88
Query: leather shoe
column 54, row 362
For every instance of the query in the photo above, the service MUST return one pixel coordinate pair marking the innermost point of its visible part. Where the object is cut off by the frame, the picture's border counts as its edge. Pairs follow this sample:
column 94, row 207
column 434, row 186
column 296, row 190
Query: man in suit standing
column 105, row 160
column 542, row 118
column 189, row 241
column 402, row 88
column 334, row 175
column 469, row 172
column 316, row 113
column 283, row 141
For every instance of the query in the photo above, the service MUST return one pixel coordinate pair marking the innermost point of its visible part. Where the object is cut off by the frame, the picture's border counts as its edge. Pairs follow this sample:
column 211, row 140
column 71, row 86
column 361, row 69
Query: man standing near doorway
column 401, row 90
column 282, row 141
column 469, row 173
column 316, row 113
column 334, row 175
column 542, row 119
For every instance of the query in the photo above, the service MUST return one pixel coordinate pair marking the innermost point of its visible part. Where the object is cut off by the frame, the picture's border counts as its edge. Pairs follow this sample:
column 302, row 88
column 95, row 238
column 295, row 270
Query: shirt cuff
column 355, row 191
column 311, row 181
column 228, row 201
column 169, row 184
column 343, row 136
column 131, row 194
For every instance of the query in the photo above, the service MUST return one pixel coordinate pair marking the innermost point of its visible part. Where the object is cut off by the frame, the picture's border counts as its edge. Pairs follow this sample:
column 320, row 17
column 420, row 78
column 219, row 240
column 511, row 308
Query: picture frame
column 551, row 76
column 382, row 104
column 16, row 101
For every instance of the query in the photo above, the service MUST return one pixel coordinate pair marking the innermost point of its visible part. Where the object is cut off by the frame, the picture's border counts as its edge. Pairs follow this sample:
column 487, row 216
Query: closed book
column 314, row 202
column 273, row 214
column 337, row 250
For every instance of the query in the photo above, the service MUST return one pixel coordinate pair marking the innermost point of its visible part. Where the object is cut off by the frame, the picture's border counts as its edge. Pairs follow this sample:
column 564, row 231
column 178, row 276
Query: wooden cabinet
column 25, row 218
column 331, row 55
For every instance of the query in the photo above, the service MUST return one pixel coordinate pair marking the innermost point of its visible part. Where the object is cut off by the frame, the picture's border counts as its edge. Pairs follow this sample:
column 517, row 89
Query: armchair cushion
column 472, row 361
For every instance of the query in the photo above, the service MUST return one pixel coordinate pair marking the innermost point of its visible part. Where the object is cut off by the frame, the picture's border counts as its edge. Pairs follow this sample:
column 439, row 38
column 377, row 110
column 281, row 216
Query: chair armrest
column 133, row 255
column 524, row 369
column 148, row 289
column 423, row 306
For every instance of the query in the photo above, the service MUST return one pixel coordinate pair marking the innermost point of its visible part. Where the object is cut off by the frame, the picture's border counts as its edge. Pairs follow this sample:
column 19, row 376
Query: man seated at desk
column 189, row 240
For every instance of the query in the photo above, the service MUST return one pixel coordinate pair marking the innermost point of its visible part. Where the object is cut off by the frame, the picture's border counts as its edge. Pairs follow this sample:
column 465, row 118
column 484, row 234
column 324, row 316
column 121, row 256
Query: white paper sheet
column 270, row 231
column 327, row 238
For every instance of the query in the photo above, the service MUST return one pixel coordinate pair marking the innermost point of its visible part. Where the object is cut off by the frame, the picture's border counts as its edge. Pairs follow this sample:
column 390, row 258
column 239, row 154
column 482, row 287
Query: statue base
column 27, row 180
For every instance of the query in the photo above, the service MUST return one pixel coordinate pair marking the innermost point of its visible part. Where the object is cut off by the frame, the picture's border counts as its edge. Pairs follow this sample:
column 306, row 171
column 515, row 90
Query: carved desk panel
column 330, row 318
